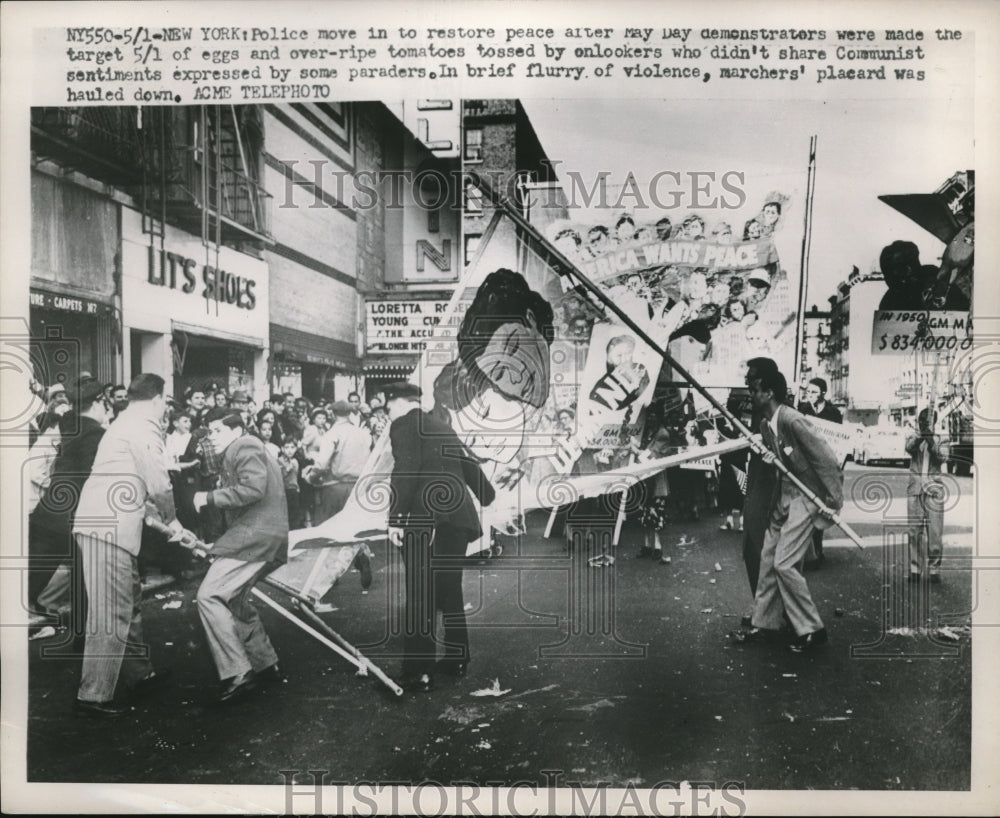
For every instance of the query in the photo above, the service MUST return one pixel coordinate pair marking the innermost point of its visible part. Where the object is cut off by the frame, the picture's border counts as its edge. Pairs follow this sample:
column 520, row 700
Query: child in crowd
column 290, row 475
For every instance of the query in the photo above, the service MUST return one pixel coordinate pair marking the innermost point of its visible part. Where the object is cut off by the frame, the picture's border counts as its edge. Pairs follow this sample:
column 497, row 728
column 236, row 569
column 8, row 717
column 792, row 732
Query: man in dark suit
column 432, row 519
column 817, row 405
column 252, row 501
column 781, row 589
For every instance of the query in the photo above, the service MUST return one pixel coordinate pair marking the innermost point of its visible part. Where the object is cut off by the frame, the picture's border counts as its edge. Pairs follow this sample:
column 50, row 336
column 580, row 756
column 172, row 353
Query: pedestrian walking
column 925, row 497
column 817, row 405
column 50, row 525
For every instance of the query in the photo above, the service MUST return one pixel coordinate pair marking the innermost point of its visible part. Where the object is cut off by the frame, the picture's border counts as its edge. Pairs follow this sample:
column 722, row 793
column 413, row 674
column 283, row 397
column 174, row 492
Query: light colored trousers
column 925, row 515
column 114, row 649
column 235, row 633
column 781, row 587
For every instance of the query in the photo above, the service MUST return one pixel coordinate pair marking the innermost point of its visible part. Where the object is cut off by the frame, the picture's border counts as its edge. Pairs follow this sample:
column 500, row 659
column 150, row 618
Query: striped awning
column 394, row 366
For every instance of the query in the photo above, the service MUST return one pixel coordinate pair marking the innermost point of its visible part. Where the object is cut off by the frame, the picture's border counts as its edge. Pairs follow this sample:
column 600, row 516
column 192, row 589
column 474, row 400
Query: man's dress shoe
column 104, row 710
column 809, row 641
column 238, row 687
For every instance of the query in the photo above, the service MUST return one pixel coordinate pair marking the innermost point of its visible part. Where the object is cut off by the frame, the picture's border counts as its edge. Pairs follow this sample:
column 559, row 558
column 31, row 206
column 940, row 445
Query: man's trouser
column 433, row 583
column 781, row 586
column 114, row 649
column 235, row 634
column 925, row 515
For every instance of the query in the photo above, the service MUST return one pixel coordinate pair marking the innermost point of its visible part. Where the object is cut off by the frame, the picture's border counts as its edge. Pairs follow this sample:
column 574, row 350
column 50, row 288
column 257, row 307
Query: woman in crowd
column 268, row 416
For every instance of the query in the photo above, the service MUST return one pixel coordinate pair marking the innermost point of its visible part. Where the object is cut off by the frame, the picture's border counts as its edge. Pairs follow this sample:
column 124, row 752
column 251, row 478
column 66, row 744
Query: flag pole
column 806, row 250
column 567, row 267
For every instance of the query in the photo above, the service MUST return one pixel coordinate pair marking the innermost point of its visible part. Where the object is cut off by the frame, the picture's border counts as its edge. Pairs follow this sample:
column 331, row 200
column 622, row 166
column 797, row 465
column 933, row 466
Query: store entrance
column 200, row 361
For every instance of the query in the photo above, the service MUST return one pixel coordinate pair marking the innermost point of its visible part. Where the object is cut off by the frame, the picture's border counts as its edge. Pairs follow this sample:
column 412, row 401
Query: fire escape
column 196, row 168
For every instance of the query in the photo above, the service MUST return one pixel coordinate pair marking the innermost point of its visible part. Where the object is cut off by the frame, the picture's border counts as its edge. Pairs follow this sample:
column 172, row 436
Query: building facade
column 273, row 248
column 857, row 379
column 813, row 352
column 416, row 224
column 500, row 145
column 310, row 161
column 153, row 220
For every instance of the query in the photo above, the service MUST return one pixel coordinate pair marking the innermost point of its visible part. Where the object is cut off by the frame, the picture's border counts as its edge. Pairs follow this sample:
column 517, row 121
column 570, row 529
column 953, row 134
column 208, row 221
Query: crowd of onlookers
column 321, row 447
column 302, row 435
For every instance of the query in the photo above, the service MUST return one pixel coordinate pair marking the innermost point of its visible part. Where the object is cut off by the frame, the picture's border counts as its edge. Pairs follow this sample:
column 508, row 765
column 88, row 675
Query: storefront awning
column 310, row 348
column 394, row 366
column 219, row 335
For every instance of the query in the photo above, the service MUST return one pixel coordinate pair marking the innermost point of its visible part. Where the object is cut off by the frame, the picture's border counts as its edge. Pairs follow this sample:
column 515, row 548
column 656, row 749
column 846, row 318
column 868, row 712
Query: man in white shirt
column 343, row 451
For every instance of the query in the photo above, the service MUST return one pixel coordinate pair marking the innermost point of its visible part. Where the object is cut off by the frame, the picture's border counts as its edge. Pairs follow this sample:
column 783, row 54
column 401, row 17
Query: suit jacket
column 432, row 474
column 252, row 499
column 809, row 458
column 129, row 480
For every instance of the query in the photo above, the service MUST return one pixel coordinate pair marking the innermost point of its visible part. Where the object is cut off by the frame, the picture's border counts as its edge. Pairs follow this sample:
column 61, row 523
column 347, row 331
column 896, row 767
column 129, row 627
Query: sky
column 864, row 149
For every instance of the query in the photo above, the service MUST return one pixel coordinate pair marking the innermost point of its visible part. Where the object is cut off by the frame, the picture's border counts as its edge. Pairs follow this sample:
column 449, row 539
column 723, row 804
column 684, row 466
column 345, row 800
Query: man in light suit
column 255, row 542
column 925, row 497
column 432, row 519
column 128, row 481
column 781, row 588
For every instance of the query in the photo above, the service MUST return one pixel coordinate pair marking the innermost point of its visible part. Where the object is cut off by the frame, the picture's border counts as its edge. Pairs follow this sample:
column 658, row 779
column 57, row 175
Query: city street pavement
column 616, row 674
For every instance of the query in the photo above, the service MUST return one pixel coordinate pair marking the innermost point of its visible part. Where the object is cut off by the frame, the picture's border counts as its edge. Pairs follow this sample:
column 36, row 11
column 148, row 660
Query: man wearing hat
column 240, row 401
column 432, row 519
column 759, row 285
column 342, row 454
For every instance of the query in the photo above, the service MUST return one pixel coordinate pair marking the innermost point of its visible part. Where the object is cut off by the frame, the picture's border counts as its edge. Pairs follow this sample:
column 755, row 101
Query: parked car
column 883, row 444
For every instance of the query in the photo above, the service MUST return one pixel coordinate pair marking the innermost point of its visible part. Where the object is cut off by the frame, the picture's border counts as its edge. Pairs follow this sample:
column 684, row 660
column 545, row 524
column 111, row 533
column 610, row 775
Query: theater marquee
column 400, row 327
